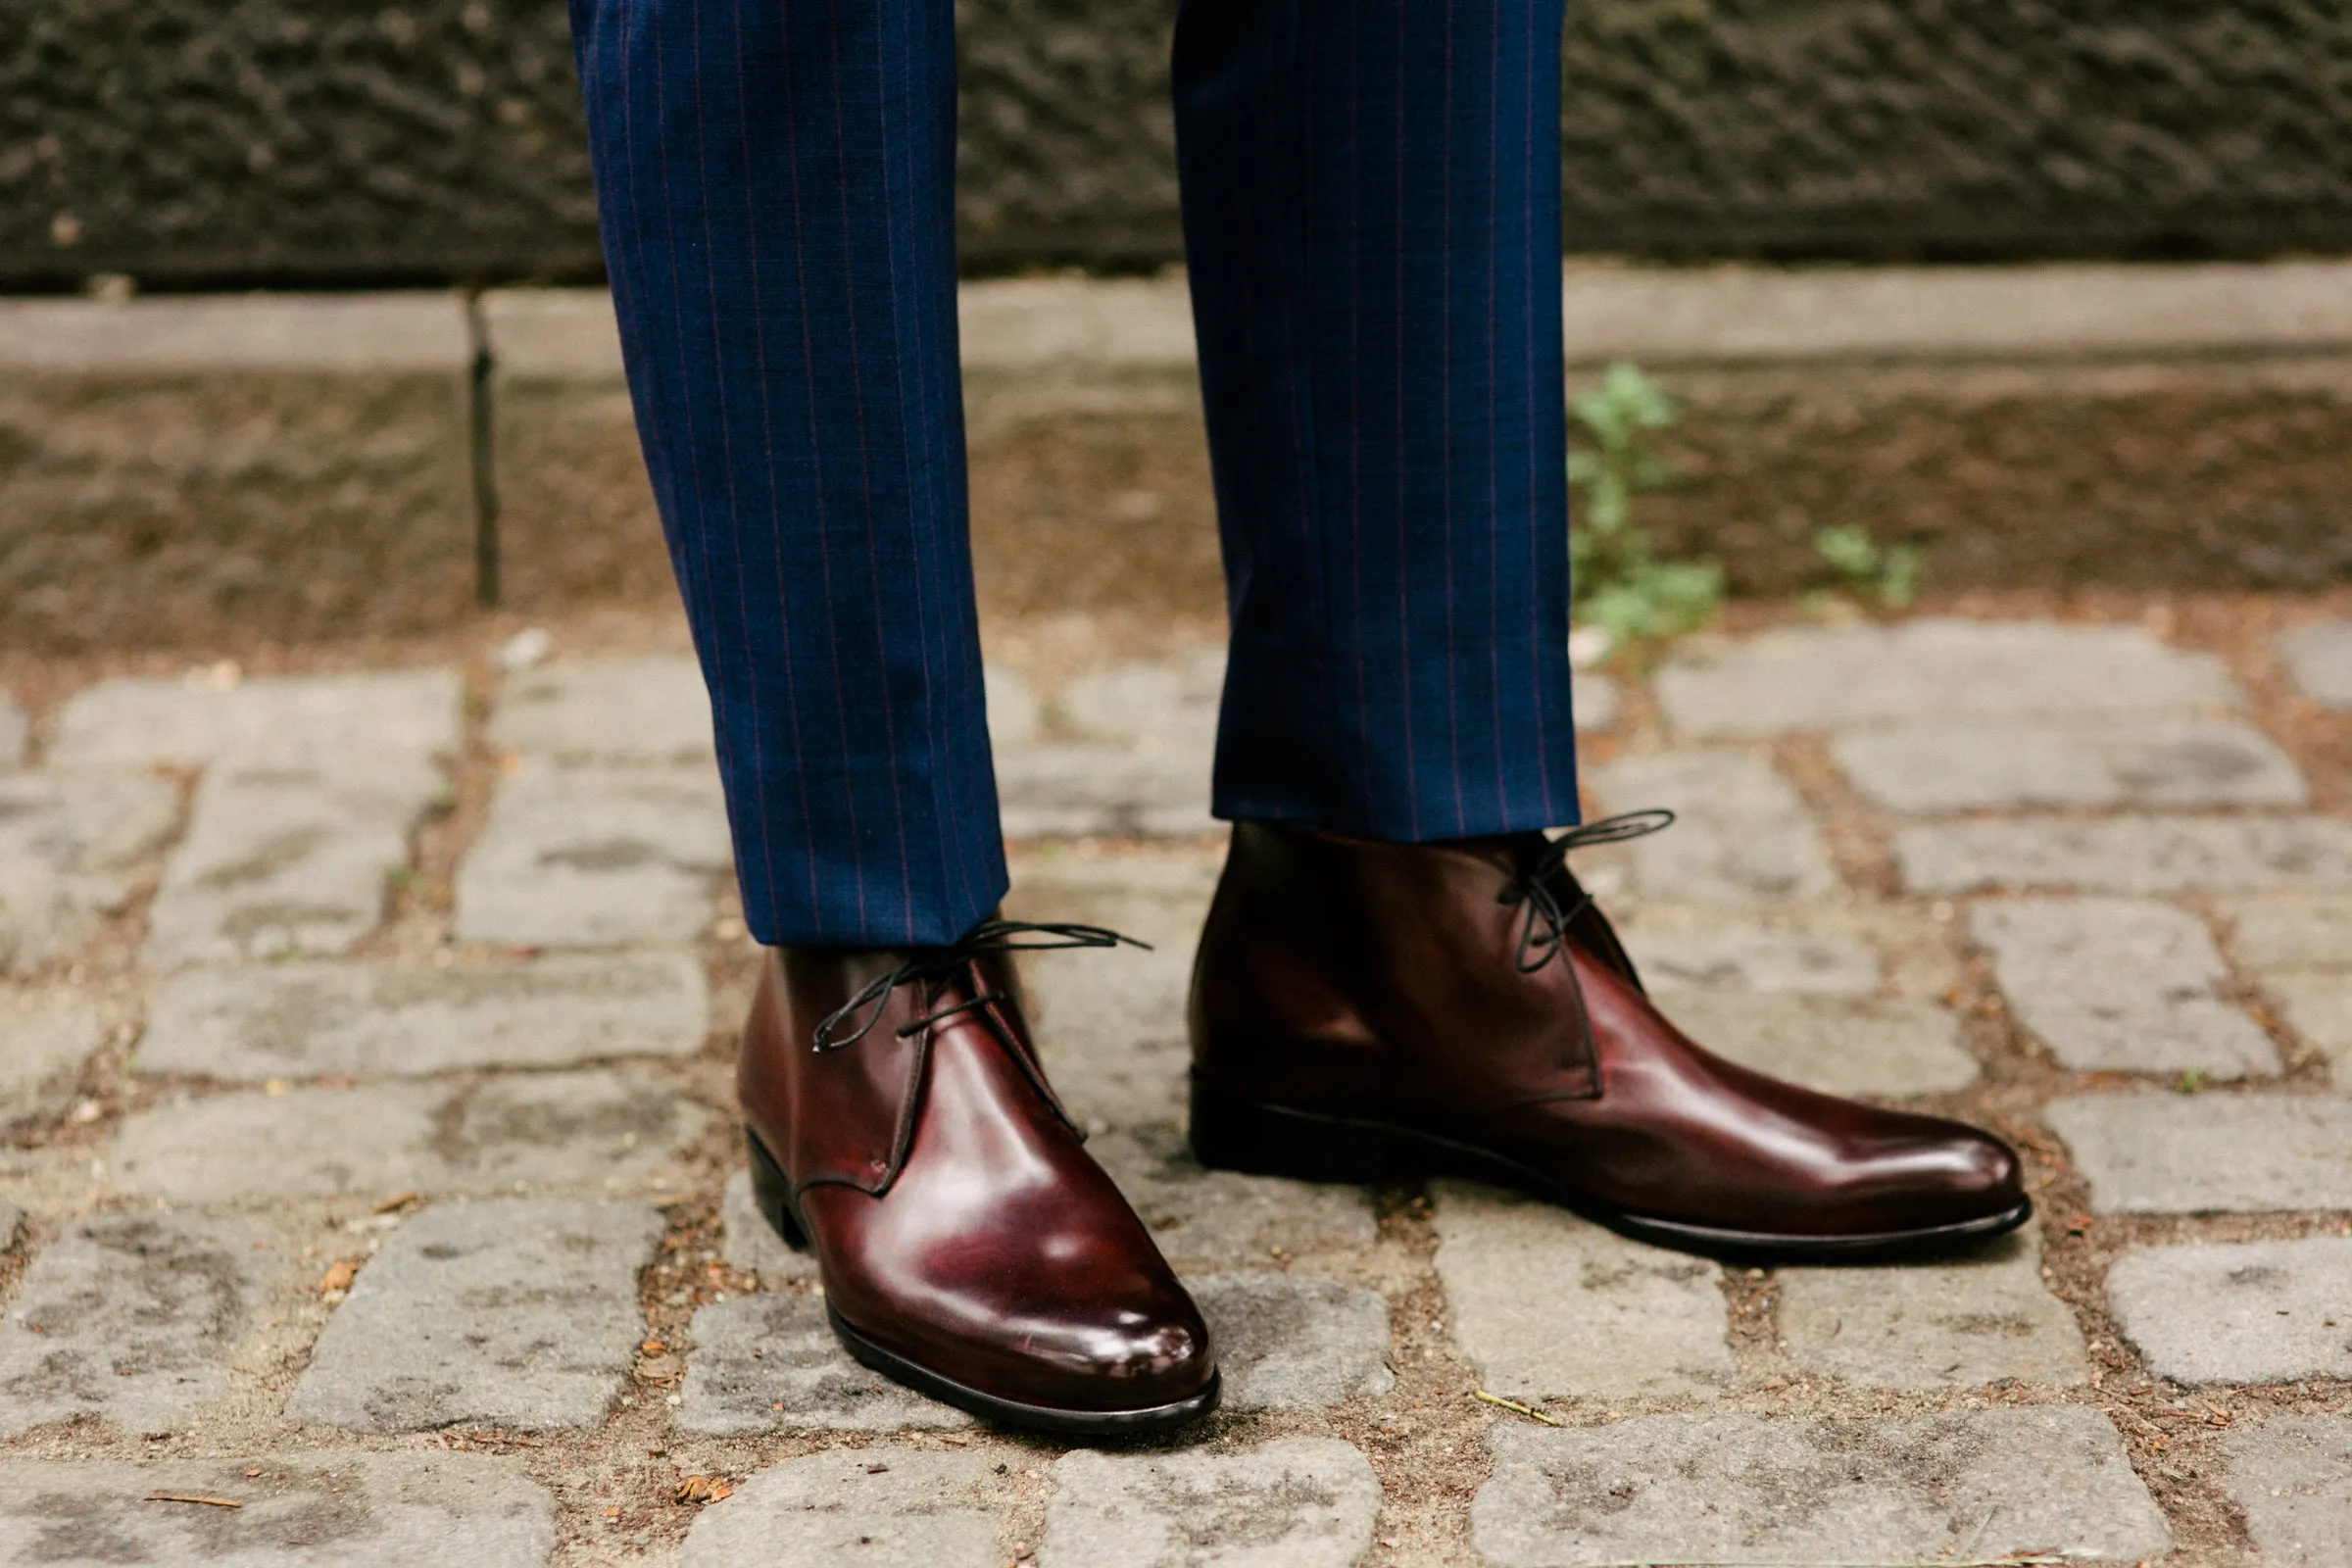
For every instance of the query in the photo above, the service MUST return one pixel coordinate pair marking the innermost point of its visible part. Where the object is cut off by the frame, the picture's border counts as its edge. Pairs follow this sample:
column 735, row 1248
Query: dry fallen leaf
column 702, row 1488
column 340, row 1276
column 395, row 1202
column 1484, row 1397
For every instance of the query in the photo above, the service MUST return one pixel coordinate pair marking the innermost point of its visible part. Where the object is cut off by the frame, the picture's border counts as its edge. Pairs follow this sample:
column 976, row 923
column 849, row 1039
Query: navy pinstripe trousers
column 1371, row 209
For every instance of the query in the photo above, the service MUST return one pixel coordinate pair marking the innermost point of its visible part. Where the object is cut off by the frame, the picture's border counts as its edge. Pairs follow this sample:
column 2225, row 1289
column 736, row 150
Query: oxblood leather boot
column 1362, row 1008
column 899, row 1125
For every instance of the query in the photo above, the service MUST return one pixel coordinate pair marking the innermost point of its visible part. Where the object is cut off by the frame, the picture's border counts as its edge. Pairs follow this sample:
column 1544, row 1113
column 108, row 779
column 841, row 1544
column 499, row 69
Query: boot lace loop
column 932, row 967
column 1544, row 929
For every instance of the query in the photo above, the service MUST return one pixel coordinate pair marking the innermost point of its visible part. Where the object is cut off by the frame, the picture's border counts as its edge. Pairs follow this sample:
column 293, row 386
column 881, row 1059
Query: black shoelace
column 932, row 967
column 1537, row 883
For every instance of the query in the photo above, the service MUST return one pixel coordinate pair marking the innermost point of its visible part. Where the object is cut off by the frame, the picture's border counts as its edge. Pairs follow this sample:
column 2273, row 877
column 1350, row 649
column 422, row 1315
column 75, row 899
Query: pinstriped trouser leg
column 1371, row 206
column 1372, row 220
column 775, row 184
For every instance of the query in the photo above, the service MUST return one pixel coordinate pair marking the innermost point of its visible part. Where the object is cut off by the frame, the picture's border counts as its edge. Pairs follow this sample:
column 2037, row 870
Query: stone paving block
column 1014, row 714
column 1067, row 789
column 1748, row 963
column 1547, row 1306
column 770, row 1362
column 2320, row 658
column 2161, row 1153
column 582, row 857
column 2161, row 763
column 516, row 1311
column 2318, row 1007
column 361, row 1020
column 2292, row 1475
column 1221, row 1217
column 1160, row 896
column 304, row 1510
column 614, row 710
column 2243, row 1312
column 1827, row 679
column 1292, row 1342
column 2119, row 984
column 1144, row 769
column 1160, row 892
column 45, row 1039
column 15, row 733
column 144, row 721
column 132, row 1319
column 1110, row 1030
column 1596, row 700
column 1984, row 1317
column 1298, row 1502
column 858, row 1508
column 751, row 1244
column 69, row 848
column 1173, row 704
column 1975, row 1486
column 286, row 857
column 85, row 823
column 1177, row 702
column 2146, row 854
column 2291, row 930
column 1742, row 834
column 592, row 1128
column 1839, row 1045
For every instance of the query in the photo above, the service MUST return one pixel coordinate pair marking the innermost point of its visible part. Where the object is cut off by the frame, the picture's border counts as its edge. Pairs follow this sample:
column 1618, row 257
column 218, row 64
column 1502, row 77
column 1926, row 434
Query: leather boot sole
column 1229, row 1133
column 773, row 1194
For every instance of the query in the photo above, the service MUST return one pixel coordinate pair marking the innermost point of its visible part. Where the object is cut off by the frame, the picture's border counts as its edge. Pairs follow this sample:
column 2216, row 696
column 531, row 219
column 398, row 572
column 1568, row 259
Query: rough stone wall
column 216, row 141
column 305, row 140
column 1958, row 128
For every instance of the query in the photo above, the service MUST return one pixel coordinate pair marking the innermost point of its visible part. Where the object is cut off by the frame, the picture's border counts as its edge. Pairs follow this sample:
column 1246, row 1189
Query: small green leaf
column 1899, row 579
column 1617, row 582
column 1849, row 549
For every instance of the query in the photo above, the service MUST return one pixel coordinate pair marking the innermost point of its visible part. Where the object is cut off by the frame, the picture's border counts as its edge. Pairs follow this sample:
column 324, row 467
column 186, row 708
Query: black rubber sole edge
column 773, row 1194
column 1270, row 1141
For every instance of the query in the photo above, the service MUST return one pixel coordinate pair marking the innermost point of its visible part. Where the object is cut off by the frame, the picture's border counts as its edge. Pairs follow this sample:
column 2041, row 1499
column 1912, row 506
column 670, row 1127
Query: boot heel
column 1230, row 1132
column 773, row 1194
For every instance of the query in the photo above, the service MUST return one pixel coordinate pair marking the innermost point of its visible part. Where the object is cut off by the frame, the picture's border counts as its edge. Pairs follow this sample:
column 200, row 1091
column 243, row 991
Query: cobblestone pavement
column 369, row 1190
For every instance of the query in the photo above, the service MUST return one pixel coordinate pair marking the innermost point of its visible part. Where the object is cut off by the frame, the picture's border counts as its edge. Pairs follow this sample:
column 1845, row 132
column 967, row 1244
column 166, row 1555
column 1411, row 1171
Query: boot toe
column 1145, row 1360
column 1066, row 1349
column 1987, row 1176
column 1943, row 1173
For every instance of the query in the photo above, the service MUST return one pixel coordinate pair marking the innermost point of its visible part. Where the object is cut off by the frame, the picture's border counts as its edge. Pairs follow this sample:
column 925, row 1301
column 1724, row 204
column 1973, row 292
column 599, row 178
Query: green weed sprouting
column 1879, row 577
column 1616, row 580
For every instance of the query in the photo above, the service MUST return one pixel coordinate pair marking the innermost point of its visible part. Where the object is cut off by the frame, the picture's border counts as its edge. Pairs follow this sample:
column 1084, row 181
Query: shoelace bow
column 934, row 966
column 1537, row 885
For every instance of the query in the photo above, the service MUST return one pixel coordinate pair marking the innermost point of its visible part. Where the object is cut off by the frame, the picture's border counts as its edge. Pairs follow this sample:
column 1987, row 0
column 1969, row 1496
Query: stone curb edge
column 1045, row 345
